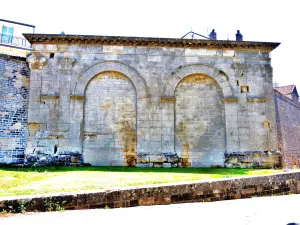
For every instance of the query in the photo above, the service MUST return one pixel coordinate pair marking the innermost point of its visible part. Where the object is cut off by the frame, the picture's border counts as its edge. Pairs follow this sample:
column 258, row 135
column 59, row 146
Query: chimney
column 239, row 36
column 213, row 35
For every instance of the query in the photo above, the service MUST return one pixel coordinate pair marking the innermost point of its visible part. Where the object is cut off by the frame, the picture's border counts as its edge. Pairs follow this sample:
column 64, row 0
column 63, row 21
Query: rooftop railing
column 14, row 41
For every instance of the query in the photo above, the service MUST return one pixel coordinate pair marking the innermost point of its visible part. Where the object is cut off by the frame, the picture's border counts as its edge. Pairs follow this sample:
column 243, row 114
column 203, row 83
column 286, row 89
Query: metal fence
column 14, row 41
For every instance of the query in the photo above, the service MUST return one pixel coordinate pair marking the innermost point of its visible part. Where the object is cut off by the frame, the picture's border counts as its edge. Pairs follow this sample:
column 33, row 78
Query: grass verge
column 27, row 181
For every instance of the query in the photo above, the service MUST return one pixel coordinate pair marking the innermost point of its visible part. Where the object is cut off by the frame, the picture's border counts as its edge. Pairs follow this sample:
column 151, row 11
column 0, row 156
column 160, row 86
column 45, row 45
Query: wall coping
column 286, row 98
column 147, row 41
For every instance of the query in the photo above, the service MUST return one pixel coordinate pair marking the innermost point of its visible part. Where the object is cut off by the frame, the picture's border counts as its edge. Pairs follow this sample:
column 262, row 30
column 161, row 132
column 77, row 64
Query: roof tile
column 284, row 90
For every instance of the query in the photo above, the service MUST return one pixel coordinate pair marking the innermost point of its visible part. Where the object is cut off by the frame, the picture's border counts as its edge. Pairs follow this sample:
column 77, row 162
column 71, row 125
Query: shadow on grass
column 220, row 171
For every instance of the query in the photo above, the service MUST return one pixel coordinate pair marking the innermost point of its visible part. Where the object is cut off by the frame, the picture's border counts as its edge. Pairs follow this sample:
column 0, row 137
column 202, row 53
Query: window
column 7, row 34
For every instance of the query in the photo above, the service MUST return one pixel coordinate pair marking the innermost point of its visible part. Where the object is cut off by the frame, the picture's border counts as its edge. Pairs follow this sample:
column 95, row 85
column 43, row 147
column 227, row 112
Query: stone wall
column 201, row 191
column 169, row 106
column 14, row 85
column 288, row 128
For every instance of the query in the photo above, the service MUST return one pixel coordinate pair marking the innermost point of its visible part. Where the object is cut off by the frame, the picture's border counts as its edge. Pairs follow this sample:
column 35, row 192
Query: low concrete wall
column 215, row 190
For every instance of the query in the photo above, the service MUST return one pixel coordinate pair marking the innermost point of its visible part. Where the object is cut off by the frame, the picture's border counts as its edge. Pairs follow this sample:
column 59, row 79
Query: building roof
column 285, row 90
column 147, row 41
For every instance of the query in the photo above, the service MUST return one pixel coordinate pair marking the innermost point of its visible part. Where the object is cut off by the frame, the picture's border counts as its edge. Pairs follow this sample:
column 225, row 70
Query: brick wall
column 14, row 84
column 288, row 129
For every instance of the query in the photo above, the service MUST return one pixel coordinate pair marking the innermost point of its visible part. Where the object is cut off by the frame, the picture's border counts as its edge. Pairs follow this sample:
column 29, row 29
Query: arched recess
column 132, row 74
column 224, row 91
column 109, row 128
column 78, row 100
column 200, row 131
column 220, row 77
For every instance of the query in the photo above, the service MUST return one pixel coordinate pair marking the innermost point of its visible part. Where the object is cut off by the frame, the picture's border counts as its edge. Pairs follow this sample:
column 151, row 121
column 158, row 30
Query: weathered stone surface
column 256, row 159
column 41, row 159
column 148, row 100
column 36, row 62
column 110, row 121
column 200, row 121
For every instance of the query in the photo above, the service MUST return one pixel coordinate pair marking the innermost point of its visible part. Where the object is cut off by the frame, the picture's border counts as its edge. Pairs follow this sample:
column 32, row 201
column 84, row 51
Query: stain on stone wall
column 288, row 130
column 128, row 135
column 14, row 85
column 33, row 128
column 200, row 121
column 182, row 137
column 110, row 120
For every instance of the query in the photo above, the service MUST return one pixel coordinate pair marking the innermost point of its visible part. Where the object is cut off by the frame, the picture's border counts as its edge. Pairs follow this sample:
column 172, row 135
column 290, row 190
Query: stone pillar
column 231, row 117
column 167, row 124
column 270, row 112
column 76, row 123
column 155, row 127
column 143, row 133
column 36, row 64
column 155, row 132
column 243, row 123
column 143, row 126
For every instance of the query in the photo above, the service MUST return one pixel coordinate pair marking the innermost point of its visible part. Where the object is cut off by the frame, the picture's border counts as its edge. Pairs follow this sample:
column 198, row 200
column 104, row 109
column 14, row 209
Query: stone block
column 146, row 201
column 143, row 158
column 157, row 165
column 158, row 158
column 172, row 158
column 228, row 53
column 144, row 165
column 167, row 165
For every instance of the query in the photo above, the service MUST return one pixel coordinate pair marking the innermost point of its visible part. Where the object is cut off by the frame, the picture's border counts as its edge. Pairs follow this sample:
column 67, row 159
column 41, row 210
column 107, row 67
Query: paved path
column 278, row 210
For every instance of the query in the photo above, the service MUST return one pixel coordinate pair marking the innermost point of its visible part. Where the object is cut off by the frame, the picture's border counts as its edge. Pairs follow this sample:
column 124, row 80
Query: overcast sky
column 258, row 20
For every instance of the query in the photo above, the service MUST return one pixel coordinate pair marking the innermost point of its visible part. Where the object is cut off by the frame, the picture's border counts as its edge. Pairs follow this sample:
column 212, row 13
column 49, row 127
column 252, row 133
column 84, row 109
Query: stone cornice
column 147, row 41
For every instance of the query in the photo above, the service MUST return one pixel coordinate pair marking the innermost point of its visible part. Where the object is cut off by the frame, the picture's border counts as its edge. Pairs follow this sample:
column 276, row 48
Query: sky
column 258, row 20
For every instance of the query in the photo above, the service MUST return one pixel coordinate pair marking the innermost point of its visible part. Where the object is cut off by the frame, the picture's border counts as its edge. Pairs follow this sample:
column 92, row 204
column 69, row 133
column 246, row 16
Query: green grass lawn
column 26, row 181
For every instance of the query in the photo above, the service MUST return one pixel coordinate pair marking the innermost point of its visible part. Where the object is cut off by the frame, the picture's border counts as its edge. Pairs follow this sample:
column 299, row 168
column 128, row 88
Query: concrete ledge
column 214, row 190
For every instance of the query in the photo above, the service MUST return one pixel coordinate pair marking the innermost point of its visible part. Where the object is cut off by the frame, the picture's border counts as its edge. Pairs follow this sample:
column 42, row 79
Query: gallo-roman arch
column 110, row 93
column 198, row 94
column 150, row 102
